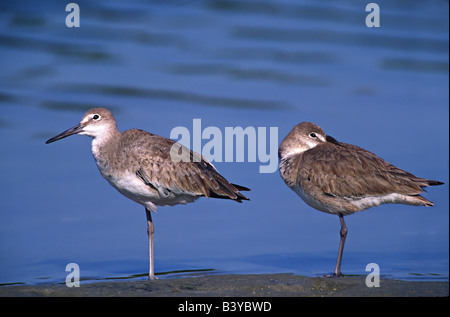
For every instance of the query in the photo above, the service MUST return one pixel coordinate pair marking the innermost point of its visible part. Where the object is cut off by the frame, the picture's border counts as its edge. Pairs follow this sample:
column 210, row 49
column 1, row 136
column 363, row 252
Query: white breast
column 129, row 185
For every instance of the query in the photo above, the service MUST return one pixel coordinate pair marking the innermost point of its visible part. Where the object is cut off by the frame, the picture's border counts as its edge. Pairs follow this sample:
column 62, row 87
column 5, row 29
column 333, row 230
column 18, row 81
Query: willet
column 138, row 164
column 341, row 179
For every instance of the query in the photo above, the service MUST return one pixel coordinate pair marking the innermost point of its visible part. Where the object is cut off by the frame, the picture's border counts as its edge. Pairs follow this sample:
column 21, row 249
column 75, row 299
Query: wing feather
column 151, row 158
column 345, row 170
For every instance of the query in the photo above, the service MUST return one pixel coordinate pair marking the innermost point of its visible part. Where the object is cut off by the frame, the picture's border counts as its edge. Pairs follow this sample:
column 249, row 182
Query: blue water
column 160, row 64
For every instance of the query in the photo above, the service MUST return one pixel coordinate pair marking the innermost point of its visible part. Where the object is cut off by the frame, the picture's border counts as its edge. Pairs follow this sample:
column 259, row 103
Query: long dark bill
column 76, row 129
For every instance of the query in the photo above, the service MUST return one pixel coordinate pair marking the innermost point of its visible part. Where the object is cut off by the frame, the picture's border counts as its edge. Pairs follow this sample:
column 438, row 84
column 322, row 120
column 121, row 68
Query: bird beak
column 75, row 130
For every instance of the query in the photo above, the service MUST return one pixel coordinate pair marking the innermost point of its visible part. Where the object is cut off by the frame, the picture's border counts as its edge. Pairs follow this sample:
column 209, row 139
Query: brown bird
column 341, row 179
column 150, row 169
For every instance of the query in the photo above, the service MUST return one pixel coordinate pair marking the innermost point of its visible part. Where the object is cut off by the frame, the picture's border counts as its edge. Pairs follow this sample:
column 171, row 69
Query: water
column 160, row 64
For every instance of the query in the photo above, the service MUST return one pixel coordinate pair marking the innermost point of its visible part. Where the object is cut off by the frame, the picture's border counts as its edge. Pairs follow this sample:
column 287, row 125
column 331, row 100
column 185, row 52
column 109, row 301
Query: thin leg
column 150, row 232
column 343, row 233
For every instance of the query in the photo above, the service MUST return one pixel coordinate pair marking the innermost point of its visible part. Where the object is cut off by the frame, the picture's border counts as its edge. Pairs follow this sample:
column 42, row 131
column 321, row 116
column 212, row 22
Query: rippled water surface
column 159, row 65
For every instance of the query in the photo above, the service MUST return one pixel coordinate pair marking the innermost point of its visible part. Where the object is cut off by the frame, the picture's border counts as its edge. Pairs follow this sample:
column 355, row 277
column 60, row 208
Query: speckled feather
column 149, row 154
column 342, row 177
column 138, row 164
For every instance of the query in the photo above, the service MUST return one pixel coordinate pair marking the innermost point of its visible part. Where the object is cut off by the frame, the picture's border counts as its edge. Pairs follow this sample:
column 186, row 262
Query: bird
column 341, row 179
column 141, row 166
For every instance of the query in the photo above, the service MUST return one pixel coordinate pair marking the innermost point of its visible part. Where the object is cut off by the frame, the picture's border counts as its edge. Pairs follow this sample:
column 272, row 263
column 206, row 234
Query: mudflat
column 236, row 285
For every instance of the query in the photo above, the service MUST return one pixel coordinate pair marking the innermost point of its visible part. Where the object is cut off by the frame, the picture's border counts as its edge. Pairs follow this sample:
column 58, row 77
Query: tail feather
column 239, row 187
column 433, row 183
column 217, row 186
column 238, row 196
column 423, row 201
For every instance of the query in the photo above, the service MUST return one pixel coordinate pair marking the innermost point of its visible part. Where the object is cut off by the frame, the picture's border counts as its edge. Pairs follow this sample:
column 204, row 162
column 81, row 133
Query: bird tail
column 423, row 201
column 433, row 183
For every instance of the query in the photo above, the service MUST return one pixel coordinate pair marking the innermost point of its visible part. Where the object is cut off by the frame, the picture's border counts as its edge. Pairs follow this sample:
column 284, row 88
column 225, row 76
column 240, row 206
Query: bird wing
column 192, row 176
column 345, row 170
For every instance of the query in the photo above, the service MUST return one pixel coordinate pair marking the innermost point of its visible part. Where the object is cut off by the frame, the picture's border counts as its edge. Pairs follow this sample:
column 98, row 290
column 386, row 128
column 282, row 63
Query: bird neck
column 105, row 143
column 289, row 166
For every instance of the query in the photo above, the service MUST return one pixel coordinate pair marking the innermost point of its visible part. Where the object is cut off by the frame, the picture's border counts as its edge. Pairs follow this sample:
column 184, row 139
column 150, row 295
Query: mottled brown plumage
column 148, row 157
column 341, row 178
column 140, row 166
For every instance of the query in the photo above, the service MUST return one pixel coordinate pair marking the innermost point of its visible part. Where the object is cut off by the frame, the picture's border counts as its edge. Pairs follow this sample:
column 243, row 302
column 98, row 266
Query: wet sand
column 263, row 285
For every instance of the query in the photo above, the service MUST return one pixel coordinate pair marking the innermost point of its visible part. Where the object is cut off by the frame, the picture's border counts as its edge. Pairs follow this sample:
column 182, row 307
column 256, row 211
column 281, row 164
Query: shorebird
column 139, row 165
column 341, row 179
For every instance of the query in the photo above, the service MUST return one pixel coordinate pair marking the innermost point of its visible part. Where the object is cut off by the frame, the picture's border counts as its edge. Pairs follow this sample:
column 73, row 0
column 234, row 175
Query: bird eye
column 313, row 135
column 96, row 117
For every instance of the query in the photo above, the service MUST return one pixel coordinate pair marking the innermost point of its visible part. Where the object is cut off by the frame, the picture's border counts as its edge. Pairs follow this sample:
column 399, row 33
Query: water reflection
column 158, row 65
column 172, row 95
column 415, row 65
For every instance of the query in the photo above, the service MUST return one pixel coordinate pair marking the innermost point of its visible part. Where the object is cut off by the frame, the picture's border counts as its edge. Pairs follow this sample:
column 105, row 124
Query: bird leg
column 343, row 234
column 150, row 232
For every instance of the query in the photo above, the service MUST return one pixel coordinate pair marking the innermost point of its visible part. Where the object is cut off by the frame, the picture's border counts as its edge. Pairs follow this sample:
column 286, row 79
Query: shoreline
column 236, row 285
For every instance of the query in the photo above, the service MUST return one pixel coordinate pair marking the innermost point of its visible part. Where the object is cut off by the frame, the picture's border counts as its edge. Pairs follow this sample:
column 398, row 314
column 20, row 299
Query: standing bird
column 341, row 179
column 150, row 169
